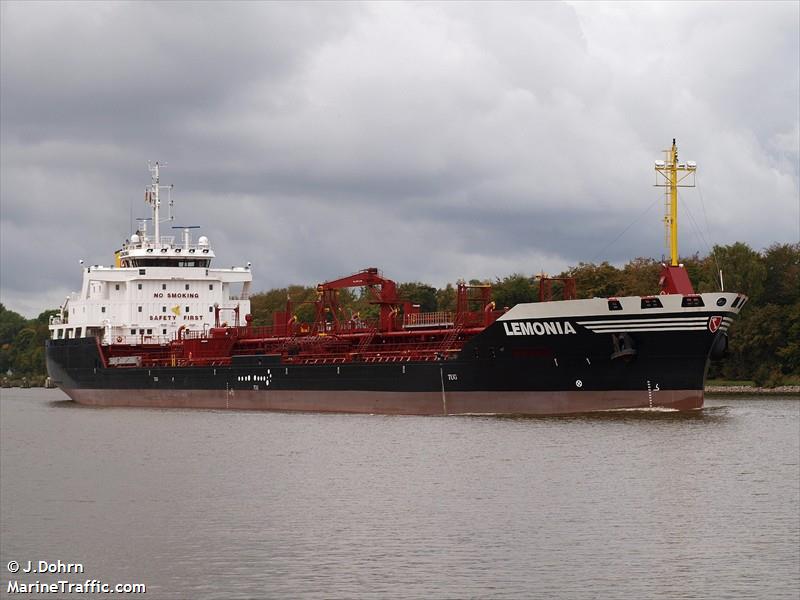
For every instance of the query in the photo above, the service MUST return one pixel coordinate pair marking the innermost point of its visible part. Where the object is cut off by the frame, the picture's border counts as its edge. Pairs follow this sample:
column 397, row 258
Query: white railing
column 431, row 319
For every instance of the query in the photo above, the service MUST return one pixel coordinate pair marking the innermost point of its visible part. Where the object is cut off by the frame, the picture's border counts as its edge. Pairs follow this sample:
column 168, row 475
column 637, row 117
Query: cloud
column 435, row 141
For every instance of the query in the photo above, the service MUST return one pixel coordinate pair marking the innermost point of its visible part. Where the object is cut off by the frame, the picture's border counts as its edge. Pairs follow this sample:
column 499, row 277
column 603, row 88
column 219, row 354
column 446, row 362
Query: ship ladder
column 449, row 339
column 367, row 339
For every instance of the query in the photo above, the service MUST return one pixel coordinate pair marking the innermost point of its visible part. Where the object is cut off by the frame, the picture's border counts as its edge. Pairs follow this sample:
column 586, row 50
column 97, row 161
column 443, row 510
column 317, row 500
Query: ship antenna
column 152, row 198
column 674, row 174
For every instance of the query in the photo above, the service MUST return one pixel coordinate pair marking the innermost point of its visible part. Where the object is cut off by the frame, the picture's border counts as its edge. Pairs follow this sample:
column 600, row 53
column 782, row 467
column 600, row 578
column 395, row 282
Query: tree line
column 764, row 339
column 22, row 347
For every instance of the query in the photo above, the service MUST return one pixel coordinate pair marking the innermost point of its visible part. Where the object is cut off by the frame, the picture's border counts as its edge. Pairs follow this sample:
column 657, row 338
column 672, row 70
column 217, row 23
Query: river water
column 216, row 504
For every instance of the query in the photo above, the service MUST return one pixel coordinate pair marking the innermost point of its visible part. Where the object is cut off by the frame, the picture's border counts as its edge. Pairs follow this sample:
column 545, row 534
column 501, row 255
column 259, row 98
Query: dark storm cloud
column 103, row 70
column 436, row 141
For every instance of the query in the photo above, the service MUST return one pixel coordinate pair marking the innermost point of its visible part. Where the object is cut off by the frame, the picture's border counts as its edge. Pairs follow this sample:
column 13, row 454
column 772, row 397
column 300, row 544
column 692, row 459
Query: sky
column 435, row 141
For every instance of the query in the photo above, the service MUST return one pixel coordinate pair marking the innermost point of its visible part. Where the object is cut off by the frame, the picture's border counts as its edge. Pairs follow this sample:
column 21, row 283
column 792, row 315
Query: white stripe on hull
column 674, row 320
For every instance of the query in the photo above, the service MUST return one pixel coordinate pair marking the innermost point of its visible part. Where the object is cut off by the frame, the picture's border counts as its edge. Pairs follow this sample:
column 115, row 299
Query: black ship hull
column 539, row 366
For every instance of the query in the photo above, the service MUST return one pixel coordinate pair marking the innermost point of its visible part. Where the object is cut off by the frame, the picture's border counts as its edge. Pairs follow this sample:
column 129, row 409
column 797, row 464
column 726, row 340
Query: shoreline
column 781, row 390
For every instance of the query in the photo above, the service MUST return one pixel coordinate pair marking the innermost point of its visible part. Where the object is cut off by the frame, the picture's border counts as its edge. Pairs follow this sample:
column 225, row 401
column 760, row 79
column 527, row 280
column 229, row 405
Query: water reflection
column 223, row 504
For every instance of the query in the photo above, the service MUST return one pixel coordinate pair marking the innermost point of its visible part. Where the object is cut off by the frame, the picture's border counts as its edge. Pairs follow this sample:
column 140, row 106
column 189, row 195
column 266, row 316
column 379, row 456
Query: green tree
column 599, row 281
column 743, row 270
column 419, row 293
column 446, row 298
column 10, row 324
column 514, row 289
column 782, row 262
column 640, row 277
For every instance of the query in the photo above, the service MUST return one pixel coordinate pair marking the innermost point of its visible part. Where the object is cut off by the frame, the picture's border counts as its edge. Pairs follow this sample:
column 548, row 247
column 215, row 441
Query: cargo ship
column 163, row 328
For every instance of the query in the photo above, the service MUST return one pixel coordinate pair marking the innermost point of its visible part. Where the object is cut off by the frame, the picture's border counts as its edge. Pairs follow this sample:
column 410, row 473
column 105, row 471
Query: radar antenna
column 186, row 229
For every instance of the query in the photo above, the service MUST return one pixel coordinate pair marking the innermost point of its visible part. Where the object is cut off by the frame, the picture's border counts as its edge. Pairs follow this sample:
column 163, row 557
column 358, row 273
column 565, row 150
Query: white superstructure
column 157, row 287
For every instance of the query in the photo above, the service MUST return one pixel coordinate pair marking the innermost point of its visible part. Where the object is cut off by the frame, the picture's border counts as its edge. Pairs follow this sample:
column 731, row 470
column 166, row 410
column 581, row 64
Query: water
column 215, row 504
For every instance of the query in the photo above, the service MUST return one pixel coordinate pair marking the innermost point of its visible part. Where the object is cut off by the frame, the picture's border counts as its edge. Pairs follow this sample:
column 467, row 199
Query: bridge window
column 614, row 305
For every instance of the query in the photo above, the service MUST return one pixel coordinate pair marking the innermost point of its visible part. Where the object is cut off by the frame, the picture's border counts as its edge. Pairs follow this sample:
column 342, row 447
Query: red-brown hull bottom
column 396, row 403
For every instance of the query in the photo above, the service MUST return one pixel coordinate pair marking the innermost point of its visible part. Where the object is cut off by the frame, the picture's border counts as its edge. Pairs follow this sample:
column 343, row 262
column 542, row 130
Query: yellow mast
column 673, row 173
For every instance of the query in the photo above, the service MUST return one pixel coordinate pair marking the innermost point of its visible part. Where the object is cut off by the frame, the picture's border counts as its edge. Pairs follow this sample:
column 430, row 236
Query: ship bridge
column 158, row 287
column 142, row 251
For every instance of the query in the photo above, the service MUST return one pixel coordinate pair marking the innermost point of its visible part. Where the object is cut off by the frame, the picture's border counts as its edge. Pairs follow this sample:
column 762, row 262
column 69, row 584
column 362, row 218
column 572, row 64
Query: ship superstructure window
column 210, row 309
column 211, row 287
column 149, row 332
column 651, row 303
column 614, row 305
column 116, row 287
column 78, row 331
column 139, row 286
column 160, row 261
column 163, row 286
column 141, row 272
column 133, row 332
column 163, row 332
column 692, row 301
column 163, row 309
column 102, row 309
column 187, row 309
column 140, row 309
column 187, row 286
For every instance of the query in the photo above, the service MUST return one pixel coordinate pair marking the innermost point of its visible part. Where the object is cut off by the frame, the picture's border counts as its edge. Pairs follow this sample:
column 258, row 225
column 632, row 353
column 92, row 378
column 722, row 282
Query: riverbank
column 782, row 390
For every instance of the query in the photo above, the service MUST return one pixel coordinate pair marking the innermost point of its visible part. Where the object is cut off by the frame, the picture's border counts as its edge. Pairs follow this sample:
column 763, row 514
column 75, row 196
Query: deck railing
column 429, row 319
